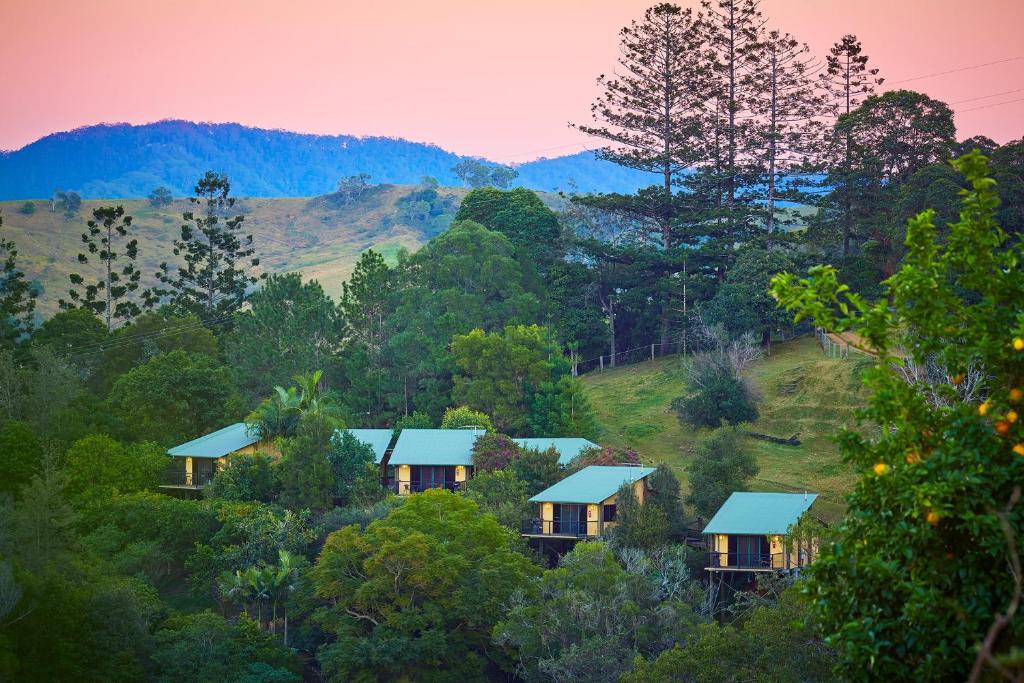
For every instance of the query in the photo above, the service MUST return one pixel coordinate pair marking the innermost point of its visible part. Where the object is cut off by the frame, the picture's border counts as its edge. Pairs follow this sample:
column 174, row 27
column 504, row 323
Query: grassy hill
column 316, row 236
column 803, row 391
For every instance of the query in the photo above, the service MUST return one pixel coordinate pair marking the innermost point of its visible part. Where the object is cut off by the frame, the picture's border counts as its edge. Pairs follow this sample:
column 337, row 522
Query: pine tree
column 218, row 261
column 788, row 109
column 17, row 298
column 847, row 82
column 649, row 112
column 108, row 295
column 732, row 31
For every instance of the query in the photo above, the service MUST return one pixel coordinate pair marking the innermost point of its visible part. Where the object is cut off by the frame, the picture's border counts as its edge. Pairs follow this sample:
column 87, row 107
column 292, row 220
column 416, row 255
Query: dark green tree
column 502, row 494
column 518, row 214
column 723, row 465
column 476, row 173
column 435, row 570
column 884, row 592
column 17, row 298
column 352, row 463
column 305, row 473
column 218, row 259
column 23, row 456
column 172, row 398
column 245, row 476
column 638, row 524
column 742, row 303
column 290, row 328
column 109, row 295
column 160, row 196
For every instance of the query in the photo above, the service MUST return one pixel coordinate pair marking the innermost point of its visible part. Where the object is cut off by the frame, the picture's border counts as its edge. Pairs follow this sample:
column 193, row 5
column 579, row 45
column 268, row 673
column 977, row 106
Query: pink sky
column 499, row 79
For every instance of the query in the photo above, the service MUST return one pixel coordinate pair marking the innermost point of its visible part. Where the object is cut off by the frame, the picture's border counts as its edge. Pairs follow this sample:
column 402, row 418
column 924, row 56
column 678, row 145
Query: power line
column 953, row 71
column 989, row 106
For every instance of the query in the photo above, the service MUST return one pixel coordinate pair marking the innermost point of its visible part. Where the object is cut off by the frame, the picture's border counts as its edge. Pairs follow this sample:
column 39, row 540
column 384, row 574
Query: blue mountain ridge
column 116, row 161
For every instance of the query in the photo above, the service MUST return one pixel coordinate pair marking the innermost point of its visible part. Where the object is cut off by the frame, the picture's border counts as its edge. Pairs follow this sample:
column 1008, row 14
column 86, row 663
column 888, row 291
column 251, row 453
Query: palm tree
column 284, row 583
column 257, row 580
column 280, row 414
column 235, row 587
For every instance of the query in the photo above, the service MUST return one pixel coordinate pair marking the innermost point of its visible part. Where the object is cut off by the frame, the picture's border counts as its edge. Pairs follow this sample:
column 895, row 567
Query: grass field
column 310, row 235
column 803, row 392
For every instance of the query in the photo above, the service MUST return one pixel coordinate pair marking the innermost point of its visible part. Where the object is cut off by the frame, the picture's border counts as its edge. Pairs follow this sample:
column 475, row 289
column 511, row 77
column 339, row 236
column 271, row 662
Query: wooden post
column 602, row 363
column 652, row 353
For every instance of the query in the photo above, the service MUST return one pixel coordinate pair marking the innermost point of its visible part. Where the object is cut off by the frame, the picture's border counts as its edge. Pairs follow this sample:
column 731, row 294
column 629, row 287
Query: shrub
column 244, row 477
column 494, row 452
column 464, row 416
column 723, row 465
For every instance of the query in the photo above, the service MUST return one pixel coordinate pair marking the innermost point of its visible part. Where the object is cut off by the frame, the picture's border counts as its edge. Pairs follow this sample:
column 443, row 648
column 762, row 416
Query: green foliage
column 742, row 303
column 415, row 420
column 283, row 412
column 150, row 334
column 638, row 525
column 160, row 196
column 27, row 209
column 591, row 616
column 562, row 408
column 352, row 463
column 244, row 476
column 498, row 372
column 478, row 174
column 22, row 454
column 537, row 469
column 108, row 295
column 723, row 465
column 718, row 394
column 777, row 643
column 205, row 648
column 366, row 301
column 937, row 480
column 99, row 468
column 665, row 495
column 290, row 328
column 604, row 456
column 17, row 298
column 218, row 260
column 464, row 416
column 518, row 214
column 494, row 451
column 502, row 494
column 304, row 471
column 418, row 592
column 173, row 397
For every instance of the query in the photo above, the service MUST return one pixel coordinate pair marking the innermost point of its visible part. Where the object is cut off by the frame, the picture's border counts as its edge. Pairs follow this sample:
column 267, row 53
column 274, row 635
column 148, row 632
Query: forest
column 791, row 193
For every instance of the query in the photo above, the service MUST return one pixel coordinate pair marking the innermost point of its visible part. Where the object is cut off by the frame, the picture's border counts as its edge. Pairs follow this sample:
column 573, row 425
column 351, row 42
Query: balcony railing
column 547, row 527
column 746, row 560
column 189, row 479
column 404, row 487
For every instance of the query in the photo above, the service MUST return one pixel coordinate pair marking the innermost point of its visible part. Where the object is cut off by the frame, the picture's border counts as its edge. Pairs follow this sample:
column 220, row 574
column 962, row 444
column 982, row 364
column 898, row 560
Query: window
column 610, row 512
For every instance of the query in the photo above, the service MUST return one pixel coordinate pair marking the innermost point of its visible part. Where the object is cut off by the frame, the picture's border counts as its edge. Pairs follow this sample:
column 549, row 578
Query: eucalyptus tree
column 218, row 260
column 108, row 295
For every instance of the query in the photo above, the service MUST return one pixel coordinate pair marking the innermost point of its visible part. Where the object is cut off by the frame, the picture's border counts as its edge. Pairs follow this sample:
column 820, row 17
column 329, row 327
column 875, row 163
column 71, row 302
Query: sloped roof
column 567, row 447
column 759, row 513
column 219, row 443
column 434, row 447
column 377, row 439
column 591, row 484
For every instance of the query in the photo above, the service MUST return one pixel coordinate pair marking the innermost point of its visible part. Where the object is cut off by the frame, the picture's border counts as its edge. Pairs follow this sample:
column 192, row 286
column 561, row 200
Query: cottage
column 748, row 533
column 568, row 447
column 197, row 460
column 431, row 459
column 583, row 505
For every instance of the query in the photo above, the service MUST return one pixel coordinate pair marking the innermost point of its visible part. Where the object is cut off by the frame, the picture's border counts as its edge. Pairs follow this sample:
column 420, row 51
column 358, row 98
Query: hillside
column 804, row 391
column 318, row 236
column 123, row 161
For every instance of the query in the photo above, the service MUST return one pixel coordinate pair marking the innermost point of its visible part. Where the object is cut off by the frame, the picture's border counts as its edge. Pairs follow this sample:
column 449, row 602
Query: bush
column 494, row 451
column 464, row 416
column 606, row 456
column 723, row 465
column 502, row 494
column 538, row 469
column 245, row 477
column 720, row 396
column 27, row 209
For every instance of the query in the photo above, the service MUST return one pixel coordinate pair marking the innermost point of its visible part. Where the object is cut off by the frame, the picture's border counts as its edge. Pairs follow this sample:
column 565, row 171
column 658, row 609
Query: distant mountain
column 122, row 161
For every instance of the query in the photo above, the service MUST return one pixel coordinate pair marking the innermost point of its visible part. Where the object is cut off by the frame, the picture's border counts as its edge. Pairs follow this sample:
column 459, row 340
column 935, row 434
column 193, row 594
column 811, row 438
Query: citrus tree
column 924, row 578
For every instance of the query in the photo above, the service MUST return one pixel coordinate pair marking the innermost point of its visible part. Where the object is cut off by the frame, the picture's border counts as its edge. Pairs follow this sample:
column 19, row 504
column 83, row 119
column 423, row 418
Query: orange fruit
column 881, row 468
column 1018, row 344
column 1002, row 427
column 932, row 518
column 1019, row 449
column 913, row 457
column 983, row 408
column 1016, row 395
column 1011, row 416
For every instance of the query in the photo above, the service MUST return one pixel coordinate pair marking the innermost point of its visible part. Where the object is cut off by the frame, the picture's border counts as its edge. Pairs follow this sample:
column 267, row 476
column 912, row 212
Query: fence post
column 602, row 363
column 652, row 352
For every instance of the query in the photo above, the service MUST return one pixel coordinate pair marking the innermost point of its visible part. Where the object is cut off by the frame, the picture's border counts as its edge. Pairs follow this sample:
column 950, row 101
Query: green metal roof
column 434, row 447
column 591, row 484
column 219, row 443
column 567, row 447
column 377, row 439
column 759, row 513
